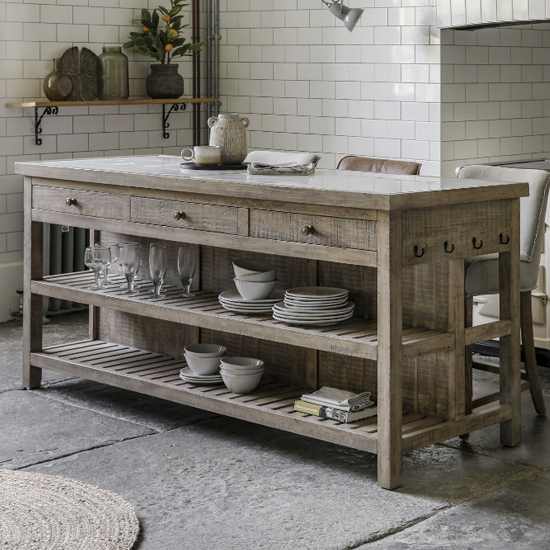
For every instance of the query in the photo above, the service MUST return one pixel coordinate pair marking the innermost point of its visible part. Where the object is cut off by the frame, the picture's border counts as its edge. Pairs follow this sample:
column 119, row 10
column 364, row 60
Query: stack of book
column 335, row 404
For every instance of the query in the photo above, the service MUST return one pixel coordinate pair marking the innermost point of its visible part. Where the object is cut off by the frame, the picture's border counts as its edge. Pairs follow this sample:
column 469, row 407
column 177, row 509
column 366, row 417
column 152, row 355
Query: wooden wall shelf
column 52, row 108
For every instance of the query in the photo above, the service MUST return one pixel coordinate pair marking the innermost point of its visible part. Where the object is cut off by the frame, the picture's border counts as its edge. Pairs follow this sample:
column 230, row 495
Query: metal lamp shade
column 347, row 15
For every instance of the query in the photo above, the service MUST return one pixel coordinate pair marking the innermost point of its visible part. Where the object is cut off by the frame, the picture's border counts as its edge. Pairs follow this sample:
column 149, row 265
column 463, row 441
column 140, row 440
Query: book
column 345, row 417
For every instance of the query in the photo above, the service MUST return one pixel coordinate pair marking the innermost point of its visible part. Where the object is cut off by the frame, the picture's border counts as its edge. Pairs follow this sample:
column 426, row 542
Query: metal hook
column 474, row 240
column 416, row 252
column 506, row 241
column 445, row 244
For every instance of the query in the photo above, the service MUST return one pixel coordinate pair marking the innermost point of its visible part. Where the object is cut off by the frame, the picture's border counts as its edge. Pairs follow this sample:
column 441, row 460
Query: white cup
column 203, row 154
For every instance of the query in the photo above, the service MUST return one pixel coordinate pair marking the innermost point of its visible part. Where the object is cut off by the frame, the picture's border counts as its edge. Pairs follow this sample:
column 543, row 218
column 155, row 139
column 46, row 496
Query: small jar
column 113, row 74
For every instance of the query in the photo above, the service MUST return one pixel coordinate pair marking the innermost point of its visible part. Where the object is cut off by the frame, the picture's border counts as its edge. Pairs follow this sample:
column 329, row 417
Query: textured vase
column 229, row 133
column 113, row 74
column 164, row 82
column 57, row 85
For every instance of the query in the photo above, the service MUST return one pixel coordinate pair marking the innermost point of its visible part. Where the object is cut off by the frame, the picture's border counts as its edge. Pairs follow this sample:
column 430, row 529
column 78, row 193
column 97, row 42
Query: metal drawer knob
column 179, row 215
column 70, row 202
column 307, row 230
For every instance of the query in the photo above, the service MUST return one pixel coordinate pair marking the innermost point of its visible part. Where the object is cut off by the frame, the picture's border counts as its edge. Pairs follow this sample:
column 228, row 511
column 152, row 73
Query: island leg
column 32, row 303
column 390, row 353
column 510, row 357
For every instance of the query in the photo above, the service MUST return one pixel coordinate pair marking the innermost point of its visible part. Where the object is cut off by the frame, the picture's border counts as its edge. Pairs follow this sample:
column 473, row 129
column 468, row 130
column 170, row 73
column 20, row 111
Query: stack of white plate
column 233, row 301
column 314, row 306
column 188, row 375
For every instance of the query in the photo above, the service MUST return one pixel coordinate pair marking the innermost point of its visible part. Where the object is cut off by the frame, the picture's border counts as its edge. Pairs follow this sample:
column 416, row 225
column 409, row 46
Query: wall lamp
column 345, row 14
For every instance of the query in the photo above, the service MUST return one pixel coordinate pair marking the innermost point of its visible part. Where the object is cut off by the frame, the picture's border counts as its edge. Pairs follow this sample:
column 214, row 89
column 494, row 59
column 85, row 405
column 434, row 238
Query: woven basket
column 164, row 82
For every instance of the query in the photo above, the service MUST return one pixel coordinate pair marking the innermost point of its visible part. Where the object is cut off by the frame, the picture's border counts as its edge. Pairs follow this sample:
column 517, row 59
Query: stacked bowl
column 314, row 306
column 255, row 294
column 241, row 374
column 203, row 362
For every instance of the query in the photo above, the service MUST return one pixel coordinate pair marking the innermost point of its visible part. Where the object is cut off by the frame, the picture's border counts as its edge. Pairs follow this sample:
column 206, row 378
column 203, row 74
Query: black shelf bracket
column 38, row 121
column 165, row 124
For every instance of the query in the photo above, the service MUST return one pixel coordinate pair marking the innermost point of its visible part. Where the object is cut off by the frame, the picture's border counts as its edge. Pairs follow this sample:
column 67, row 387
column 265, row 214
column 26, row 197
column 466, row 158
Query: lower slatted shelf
column 271, row 404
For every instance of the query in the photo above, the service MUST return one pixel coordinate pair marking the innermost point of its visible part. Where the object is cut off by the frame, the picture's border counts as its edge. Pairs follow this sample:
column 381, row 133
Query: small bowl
column 250, row 267
column 255, row 290
column 237, row 372
column 263, row 277
column 203, row 365
column 205, row 350
column 241, row 384
column 242, row 362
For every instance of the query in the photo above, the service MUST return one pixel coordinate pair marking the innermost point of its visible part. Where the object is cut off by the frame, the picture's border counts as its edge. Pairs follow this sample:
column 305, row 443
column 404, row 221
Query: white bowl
column 241, row 384
column 255, row 290
column 203, row 365
column 205, row 350
column 242, row 362
column 264, row 276
column 250, row 267
column 240, row 372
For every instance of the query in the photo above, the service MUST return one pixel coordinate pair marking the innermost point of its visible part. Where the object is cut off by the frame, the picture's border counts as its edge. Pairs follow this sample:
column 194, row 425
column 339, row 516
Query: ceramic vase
column 113, row 74
column 229, row 133
column 164, row 82
column 57, row 85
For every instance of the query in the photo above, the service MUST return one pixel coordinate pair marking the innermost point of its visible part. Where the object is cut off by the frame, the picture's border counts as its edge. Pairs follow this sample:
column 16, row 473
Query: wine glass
column 115, row 253
column 91, row 262
column 186, row 268
column 130, row 257
column 158, row 264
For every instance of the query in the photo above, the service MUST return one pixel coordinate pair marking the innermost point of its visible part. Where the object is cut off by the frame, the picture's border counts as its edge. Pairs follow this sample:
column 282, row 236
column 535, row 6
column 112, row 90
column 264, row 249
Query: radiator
column 63, row 253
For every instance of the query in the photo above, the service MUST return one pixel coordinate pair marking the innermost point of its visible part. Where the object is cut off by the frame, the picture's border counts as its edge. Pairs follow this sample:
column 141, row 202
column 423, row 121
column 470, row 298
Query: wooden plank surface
column 95, row 102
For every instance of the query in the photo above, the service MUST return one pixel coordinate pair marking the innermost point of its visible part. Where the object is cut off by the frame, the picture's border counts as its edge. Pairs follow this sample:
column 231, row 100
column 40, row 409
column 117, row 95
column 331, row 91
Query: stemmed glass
column 115, row 253
column 158, row 264
column 98, row 259
column 130, row 257
column 186, row 268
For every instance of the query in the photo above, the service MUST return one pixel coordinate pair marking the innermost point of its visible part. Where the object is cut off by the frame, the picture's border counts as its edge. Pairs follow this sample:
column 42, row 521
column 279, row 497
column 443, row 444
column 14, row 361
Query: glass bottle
column 57, row 85
column 113, row 74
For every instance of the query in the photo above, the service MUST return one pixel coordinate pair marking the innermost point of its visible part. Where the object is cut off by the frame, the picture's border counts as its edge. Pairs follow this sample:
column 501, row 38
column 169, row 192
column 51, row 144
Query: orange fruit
column 168, row 47
column 145, row 29
column 166, row 17
column 172, row 33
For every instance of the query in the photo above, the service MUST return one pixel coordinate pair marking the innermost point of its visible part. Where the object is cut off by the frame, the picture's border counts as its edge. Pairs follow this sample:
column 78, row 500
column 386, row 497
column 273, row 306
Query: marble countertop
column 328, row 187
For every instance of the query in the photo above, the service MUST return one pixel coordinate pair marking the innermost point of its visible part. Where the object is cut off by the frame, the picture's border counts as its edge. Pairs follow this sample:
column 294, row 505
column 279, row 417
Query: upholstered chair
column 382, row 166
column 481, row 276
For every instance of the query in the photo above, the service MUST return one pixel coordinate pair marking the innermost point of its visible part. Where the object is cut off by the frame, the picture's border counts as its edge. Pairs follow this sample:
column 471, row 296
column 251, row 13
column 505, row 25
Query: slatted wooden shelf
column 271, row 404
column 356, row 337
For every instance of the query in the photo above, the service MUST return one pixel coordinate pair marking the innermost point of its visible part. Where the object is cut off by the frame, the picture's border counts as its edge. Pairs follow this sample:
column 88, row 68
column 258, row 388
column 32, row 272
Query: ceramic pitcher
column 228, row 132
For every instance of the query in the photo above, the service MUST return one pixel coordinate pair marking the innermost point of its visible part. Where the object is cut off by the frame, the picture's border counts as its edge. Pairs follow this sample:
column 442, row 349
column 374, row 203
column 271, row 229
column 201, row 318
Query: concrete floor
column 200, row 481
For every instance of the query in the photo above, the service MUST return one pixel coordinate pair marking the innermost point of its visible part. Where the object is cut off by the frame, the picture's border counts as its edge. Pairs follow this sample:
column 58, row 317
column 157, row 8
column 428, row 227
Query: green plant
column 160, row 35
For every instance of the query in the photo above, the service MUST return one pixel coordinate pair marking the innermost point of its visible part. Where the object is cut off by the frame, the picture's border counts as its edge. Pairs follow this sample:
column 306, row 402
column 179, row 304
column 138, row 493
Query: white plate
column 244, row 305
column 313, row 323
column 313, row 304
column 312, row 319
column 236, row 298
column 188, row 374
column 291, row 310
column 248, row 312
column 316, row 292
column 317, row 300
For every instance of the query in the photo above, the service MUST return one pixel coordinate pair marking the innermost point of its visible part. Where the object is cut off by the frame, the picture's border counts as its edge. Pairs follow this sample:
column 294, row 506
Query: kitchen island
column 398, row 243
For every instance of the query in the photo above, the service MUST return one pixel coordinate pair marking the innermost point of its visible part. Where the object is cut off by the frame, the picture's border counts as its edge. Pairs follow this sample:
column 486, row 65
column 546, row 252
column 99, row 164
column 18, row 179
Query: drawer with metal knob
column 321, row 230
column 80, row 201
column 185, row 215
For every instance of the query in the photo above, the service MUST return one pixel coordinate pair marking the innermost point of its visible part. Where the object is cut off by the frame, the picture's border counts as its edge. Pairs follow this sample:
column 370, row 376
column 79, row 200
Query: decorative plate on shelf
column 81, row 67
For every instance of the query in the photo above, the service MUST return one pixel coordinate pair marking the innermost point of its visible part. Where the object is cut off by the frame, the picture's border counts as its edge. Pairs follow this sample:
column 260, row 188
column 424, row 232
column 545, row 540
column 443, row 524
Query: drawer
column 442, row 233
column 320, row 230
column 185, row 215
column 86, row 203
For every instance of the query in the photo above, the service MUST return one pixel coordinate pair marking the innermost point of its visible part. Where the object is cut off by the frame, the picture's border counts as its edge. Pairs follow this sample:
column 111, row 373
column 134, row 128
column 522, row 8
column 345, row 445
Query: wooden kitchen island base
column 397, row 244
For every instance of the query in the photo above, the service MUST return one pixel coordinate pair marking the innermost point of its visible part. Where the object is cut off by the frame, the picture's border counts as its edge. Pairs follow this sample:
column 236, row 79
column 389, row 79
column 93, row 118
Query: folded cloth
column 289, row 169
column 278, row 158
column 340, row 399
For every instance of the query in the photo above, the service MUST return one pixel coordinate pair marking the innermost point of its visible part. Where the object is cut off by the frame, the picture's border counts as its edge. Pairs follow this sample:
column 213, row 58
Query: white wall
column 496, row 95
column 308, row 84
column 32, row 33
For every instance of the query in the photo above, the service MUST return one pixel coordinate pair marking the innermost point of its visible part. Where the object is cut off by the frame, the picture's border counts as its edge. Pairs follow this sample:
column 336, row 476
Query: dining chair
column 481, row 275
column 382, row 166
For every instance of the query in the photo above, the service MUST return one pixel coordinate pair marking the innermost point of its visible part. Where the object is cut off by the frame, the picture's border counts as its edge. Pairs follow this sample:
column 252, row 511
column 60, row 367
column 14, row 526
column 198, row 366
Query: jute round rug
column 41, row 512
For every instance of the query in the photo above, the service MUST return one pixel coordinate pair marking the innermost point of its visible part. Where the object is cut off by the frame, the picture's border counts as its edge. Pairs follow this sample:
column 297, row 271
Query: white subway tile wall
column 32, row 33
column 306, row 82
column 495, row 89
